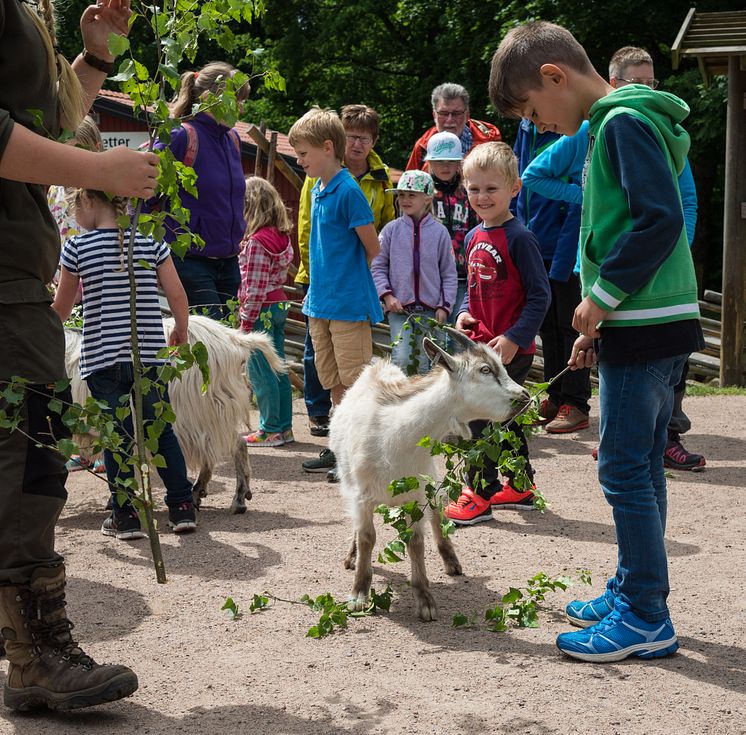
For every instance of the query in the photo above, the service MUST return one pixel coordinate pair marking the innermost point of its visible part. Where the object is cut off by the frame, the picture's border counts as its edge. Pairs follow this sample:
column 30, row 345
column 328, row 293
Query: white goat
column 374, row 433
column 209, row 426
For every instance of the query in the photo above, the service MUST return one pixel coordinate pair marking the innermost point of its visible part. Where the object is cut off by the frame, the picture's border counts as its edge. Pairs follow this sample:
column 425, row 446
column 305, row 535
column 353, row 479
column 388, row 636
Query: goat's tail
column 259, row 342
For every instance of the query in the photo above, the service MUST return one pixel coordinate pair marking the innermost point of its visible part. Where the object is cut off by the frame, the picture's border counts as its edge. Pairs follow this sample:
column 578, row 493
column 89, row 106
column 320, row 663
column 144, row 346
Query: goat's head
column 480, row 385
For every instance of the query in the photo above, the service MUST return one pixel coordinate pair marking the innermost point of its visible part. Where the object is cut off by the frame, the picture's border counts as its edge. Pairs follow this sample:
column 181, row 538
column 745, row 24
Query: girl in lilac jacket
column 415, row 273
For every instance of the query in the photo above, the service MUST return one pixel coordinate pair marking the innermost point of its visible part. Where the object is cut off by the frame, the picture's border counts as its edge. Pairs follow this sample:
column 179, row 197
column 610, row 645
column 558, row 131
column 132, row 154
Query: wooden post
column 258, row 160
column 732, row 365
column 272, row 157
column 280, row 163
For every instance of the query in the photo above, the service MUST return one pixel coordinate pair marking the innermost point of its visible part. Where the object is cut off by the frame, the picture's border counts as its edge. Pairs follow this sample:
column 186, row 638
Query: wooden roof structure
column 711, row 39
column 718, row 42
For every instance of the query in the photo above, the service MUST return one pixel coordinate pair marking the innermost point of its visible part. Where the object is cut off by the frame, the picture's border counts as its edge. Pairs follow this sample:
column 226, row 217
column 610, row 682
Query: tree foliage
column 391, row 53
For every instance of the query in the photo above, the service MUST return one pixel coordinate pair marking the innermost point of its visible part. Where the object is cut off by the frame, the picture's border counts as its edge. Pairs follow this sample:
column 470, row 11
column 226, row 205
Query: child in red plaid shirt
column 266, row 253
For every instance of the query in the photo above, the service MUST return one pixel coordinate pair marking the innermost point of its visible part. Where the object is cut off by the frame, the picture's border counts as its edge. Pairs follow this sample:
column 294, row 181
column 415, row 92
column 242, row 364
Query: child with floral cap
column 450, row 202
column 415, row 272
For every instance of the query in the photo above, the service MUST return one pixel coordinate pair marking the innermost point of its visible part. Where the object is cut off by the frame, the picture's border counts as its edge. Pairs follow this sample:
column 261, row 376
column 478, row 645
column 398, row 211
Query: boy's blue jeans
column 635, row 407
column 274, row 396
column 109, row 385
column 318, row 400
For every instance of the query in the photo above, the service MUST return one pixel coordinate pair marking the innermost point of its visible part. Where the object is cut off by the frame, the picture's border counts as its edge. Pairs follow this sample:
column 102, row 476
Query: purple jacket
column 416, row 263
column 217, row 215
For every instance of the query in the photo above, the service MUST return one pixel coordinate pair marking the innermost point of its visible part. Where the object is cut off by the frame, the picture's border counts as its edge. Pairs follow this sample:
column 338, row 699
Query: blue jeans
column 635, row 408
column 274, row 396
column 460, row 293
column 318, row 400
column 109, row 385
column 209, row 282
column 405, row 341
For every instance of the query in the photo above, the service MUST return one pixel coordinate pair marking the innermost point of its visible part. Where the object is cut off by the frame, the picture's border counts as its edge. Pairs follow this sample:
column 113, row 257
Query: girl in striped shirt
column 98, row 259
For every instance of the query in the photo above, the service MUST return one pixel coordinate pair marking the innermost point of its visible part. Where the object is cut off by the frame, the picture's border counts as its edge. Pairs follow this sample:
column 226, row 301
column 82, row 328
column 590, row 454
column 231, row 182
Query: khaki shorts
column 342, row 350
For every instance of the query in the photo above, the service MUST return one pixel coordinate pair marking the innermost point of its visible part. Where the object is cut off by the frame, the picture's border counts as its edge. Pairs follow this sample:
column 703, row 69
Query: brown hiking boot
column 47, row 668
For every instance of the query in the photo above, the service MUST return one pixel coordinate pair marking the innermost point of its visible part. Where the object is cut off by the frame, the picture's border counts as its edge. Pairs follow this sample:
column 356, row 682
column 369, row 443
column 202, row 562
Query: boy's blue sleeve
column 556, row 172
column 639, row 164
column 688, row 192
column 358, row 209
column 525, row 253
column 566, row 251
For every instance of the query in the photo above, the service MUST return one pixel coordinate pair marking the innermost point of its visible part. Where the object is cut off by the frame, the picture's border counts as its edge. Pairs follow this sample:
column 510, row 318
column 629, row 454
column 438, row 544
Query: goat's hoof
column 426, row 609
column 453, row 568
column 196, row 501
column 203, row 492
column 357, row 603
column 237, row 509
column 349, row 562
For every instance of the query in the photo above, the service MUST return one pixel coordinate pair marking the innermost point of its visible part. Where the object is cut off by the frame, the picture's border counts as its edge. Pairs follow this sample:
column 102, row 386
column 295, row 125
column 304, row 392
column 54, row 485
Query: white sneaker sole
column 622, row 653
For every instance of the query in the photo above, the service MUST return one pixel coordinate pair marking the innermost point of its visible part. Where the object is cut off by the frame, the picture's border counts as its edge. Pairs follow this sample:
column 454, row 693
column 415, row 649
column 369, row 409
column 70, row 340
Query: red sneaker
column 468, row 509
column 594, row 454
column 509, row 497
column 677, row 458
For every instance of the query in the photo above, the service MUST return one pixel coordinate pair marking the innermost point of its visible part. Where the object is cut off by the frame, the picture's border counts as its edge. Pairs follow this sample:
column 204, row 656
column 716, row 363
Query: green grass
column 699, row 389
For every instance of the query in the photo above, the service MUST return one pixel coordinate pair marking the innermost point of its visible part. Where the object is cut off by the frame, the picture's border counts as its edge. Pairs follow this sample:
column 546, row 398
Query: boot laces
column 54, row 634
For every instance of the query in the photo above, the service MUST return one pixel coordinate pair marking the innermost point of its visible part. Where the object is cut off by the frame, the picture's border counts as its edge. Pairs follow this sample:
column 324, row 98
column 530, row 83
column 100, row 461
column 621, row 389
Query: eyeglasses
column 362, row 139
column 453, row 114
column 652, row 83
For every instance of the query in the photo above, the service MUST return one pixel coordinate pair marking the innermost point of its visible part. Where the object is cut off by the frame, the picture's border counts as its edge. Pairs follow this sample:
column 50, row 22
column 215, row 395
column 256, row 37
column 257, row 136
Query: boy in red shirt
column 506, row 300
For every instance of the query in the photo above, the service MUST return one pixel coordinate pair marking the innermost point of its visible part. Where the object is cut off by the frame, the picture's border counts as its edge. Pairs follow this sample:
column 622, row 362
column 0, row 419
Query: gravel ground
column 203, row 673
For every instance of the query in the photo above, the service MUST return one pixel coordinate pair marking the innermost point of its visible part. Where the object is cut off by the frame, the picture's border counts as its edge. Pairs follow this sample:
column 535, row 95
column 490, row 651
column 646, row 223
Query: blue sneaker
column 619, row 635
column 584, row 614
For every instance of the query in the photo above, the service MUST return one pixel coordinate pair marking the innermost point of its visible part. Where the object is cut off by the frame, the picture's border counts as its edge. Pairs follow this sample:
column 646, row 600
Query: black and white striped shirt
column 96, row 258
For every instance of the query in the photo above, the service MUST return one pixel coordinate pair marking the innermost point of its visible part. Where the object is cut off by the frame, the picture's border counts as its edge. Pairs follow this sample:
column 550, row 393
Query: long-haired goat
column 374, row 433
column 209, row 426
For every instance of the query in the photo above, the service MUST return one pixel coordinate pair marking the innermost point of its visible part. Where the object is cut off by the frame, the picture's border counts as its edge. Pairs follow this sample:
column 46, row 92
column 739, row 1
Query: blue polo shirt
column 341, row 286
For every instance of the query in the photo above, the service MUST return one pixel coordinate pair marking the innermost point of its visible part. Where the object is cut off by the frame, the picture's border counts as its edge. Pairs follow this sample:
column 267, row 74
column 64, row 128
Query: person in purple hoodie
column 211, row 274
column 415, row 272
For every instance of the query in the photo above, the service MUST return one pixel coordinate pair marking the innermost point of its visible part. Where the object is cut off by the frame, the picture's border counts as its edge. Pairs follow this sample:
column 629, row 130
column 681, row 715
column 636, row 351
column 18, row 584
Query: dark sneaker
column 325, row 462
column 319, row 425
column 183, row 518
column 547, row 411
column 469, row 509
column 568, row 419
column 124, row 524
column 677, row 458
column 619, row 635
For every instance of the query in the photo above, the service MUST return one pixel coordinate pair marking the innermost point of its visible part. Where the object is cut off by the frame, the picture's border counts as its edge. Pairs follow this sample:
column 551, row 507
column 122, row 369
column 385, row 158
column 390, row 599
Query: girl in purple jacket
column 415, row 273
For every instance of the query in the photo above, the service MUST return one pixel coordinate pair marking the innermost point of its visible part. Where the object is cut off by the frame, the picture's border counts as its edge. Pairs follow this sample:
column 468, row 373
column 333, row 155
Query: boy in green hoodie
column 638, row 316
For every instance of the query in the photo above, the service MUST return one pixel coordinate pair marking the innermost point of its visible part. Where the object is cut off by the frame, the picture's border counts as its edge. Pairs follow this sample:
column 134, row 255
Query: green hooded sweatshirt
column 609, row 232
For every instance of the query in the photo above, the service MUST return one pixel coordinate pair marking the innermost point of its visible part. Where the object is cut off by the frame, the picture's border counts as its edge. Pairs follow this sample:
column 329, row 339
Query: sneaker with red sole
column 547, row 411
column 568, row 419
column 677, row 458
column 594, row 454
column 469, row 509
column 512, row 499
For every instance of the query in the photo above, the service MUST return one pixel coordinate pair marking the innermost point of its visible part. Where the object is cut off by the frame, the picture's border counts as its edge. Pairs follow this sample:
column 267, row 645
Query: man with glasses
column 451, row 115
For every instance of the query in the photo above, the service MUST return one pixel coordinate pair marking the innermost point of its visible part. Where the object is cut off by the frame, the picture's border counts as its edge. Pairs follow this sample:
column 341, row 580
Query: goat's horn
column 459, row 338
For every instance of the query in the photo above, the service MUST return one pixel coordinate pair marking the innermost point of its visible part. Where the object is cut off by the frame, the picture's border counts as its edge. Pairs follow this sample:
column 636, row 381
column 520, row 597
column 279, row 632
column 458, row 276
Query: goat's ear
column 437, row 355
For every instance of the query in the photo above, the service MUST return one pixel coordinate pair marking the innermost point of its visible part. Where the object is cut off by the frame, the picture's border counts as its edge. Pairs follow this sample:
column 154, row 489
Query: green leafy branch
column 520, row 606
column 333, row 613
column 461, row 455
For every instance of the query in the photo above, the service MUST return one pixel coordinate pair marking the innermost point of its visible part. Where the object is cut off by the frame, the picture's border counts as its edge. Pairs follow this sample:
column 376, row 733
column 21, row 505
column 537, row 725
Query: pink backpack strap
column 236, row 138
column 192, row 147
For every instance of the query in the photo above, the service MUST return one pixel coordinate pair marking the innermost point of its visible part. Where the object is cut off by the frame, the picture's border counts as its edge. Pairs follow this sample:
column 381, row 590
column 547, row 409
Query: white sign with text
column 132, row 139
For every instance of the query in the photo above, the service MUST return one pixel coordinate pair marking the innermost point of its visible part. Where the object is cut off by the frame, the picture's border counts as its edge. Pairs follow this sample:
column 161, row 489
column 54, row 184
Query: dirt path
column 202, row 673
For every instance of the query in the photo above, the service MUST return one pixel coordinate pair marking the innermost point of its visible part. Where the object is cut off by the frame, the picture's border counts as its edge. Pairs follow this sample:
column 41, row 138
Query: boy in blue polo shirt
column 342, row 302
